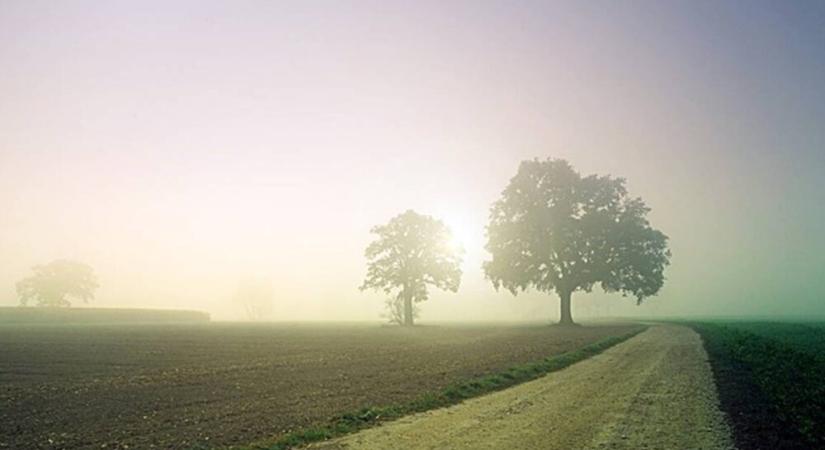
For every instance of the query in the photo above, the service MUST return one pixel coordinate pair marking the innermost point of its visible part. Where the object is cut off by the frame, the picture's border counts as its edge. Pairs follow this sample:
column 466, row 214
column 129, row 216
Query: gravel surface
column 655, row 391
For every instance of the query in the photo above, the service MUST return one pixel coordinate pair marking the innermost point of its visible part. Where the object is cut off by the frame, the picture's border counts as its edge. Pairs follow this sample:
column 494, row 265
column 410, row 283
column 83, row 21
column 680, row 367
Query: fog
column 182, row 150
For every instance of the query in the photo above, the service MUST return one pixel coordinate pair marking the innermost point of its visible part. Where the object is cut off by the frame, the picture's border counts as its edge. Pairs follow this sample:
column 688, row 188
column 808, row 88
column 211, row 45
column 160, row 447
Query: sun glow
column 467, row 236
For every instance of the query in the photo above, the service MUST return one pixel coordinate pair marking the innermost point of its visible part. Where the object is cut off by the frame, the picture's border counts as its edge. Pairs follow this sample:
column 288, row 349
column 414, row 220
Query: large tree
column 412, row 252
column 53, row 284
column 554, row 230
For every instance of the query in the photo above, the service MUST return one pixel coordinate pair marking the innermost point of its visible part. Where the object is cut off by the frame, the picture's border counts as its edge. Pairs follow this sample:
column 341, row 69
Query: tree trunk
column 408, row 311
column 566, row 317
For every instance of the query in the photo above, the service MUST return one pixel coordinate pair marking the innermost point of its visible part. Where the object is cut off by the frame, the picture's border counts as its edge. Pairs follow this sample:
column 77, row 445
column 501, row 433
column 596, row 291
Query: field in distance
column 57, row 316
column 212, row 385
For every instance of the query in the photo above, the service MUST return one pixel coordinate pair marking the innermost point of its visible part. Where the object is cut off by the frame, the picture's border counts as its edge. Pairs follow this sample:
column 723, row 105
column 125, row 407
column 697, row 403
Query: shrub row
column 38, row 315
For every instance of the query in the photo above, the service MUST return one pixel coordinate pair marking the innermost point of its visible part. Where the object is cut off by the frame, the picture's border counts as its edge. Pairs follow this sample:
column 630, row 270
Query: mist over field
column 183, row 150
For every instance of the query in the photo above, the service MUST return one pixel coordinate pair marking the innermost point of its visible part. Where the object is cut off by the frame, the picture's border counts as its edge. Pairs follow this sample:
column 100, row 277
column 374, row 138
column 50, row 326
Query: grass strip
column 773, row 393
column 451, row 395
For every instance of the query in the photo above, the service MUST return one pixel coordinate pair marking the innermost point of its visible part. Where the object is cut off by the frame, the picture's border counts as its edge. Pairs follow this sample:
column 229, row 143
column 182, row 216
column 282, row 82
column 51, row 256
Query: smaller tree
column 54, row 283
column 256, row 298
column 395, row 310
column 411, row 252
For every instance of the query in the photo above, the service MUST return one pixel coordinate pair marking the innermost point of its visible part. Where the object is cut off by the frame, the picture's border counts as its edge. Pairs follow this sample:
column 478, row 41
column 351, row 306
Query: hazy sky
column 179, row 147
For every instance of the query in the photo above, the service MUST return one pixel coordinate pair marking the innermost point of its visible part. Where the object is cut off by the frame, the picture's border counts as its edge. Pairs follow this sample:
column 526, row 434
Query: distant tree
column 54, row 283
column 411, row 252
column 395, row 310
column 554, row 230
column 256, row 298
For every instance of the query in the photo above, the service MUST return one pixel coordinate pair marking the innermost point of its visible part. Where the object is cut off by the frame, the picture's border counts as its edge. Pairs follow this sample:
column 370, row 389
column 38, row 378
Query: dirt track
column 654, row 391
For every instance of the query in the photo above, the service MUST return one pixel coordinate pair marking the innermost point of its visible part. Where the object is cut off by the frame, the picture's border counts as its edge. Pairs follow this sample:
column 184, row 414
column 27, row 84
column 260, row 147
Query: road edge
column 456, row 393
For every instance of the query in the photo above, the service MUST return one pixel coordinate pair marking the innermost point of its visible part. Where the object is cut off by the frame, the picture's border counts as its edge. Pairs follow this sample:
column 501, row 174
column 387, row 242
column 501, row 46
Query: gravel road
column 654, row 391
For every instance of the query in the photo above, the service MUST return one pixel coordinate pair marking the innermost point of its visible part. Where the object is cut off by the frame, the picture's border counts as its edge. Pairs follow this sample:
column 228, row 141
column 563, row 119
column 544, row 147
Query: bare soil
column 213, row 385
column 654, row 391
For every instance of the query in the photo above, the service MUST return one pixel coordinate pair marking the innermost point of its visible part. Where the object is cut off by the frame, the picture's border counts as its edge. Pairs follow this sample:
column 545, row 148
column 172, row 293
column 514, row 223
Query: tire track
column 655, row 391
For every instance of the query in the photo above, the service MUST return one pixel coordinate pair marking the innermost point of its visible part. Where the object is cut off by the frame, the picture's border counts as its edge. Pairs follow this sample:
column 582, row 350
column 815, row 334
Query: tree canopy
column 53, row 284
column 410, row 253
column 555, row 230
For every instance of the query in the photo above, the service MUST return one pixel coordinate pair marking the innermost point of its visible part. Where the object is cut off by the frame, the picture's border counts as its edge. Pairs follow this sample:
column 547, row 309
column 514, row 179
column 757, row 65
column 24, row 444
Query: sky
column 180, row 147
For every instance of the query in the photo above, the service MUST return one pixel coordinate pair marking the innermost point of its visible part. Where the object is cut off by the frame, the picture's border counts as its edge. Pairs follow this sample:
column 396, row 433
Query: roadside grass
column 451, row 395
column 770, row 385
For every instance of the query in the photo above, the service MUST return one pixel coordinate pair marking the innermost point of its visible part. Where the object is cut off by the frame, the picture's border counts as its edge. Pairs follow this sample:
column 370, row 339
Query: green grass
column 370, row 416
column 804, row 337
column 784, row 361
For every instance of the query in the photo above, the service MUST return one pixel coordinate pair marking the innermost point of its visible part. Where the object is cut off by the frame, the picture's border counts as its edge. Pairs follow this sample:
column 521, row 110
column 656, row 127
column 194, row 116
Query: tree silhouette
column 52, row 284
column 554, row 230
column 394, row 310
column 256, row 298
column 411, row 252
